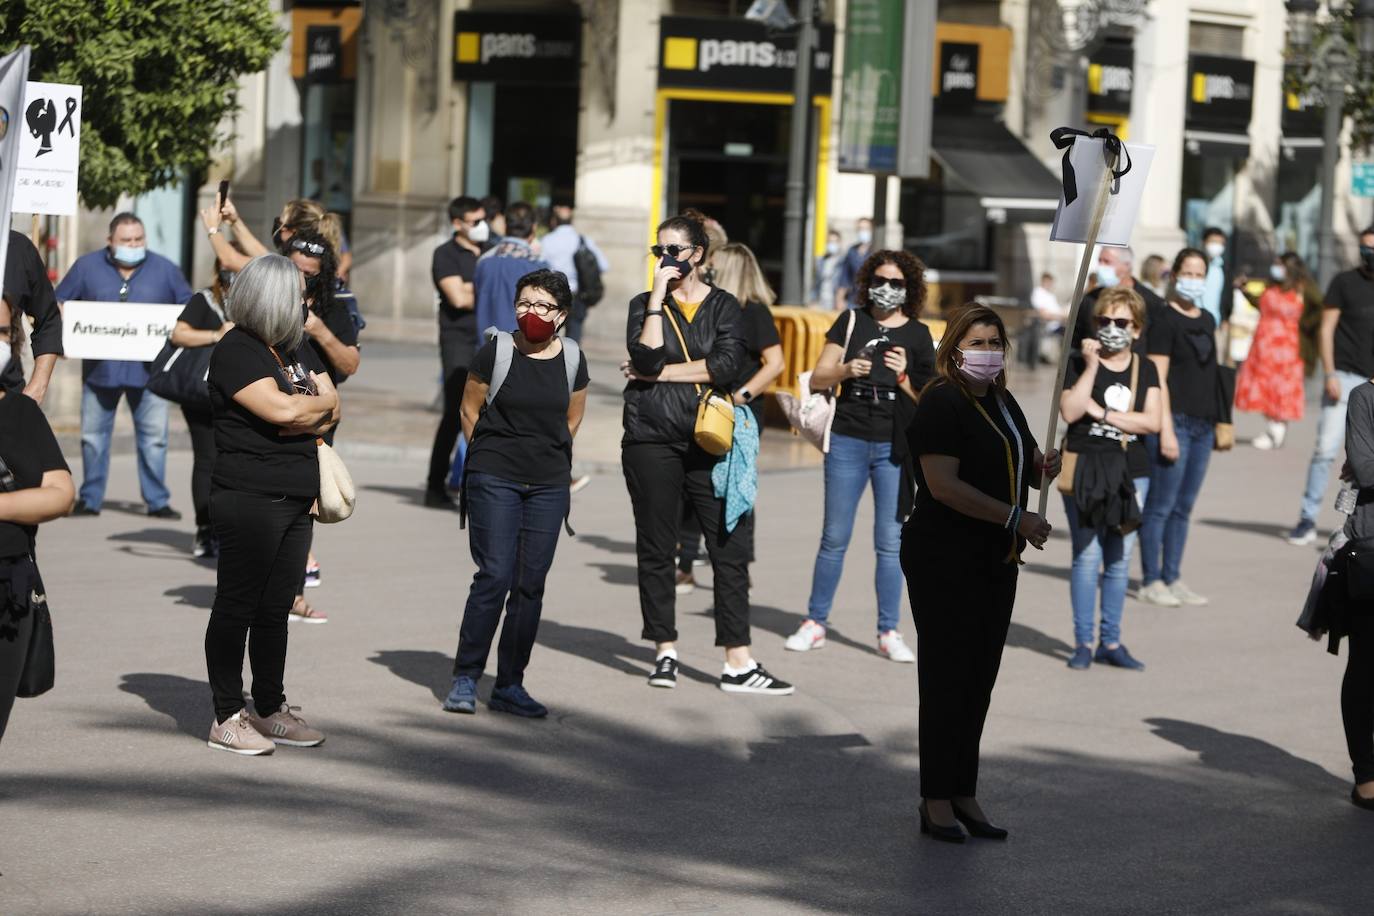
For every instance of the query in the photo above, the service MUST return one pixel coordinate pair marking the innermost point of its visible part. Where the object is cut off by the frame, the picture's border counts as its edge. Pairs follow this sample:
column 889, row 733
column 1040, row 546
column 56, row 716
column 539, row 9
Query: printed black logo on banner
column 1221, row 92
column 323, row 53
column 958, row 76
column 742, row 55
column 41, row 116
column 1304, row 109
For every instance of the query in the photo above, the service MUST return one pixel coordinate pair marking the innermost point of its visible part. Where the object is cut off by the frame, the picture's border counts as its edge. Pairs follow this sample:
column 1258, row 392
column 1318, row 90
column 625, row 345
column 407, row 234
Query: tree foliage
column 158, row 78
column 1308, row 78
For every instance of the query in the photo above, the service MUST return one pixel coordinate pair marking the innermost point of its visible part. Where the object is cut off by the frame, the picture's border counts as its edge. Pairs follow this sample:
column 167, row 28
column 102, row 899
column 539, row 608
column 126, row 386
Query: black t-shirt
column 453, row 260
column 1191, row 345
column 865, row 406
column 523, row 435
column 948, row 423
column 759, row 334
column 249, row 454
column 1112, row 390
column 1087, row 323
column 200, row 315
column 341, row 325
column 30, row 450
column 1352, row 292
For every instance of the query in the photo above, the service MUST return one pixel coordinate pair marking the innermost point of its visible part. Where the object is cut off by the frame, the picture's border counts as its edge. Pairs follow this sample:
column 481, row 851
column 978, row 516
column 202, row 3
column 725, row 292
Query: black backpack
column 590, row 289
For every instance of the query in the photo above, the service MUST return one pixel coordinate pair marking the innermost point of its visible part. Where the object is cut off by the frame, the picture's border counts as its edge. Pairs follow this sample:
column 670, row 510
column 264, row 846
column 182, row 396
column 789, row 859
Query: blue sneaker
column 463, row 696
column 1118, row 658
column 1303, row 533
column 517, row 702
column 1082, row 658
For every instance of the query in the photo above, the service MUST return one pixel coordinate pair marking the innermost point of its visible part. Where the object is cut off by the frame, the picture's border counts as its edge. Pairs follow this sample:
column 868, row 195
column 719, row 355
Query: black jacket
column 28, row 290
column 666, row 412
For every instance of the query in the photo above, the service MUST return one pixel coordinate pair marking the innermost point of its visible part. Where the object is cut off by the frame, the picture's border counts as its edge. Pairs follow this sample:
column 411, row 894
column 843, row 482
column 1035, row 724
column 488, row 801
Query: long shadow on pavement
column 1264, row 529
column 609, row 649
column 1020, row 636
column 201, row 596
column 558, row 815
column 1246, row 756
column 414, row 496
column 167, row 537
column 784, row 623
column 610, row 545
column 186, row 701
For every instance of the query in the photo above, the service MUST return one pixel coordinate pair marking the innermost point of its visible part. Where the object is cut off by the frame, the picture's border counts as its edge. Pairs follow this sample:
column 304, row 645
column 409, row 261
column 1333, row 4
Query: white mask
column 6, row 353
column 864, row 236
column 479, row 233
column 1215, row 250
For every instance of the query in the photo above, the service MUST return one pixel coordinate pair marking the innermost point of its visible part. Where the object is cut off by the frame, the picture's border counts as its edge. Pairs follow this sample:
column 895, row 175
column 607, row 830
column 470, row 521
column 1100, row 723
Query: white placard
column 116, row 330
column 1072, row 222
column 49, row 149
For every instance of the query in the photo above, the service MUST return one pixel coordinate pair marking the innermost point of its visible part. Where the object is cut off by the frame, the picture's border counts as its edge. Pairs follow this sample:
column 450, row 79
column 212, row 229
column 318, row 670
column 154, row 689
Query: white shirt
column 1047, row 304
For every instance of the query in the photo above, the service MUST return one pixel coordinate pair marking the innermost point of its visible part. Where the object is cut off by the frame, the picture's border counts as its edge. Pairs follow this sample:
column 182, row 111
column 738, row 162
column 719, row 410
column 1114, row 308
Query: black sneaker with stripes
column 665, row 673
column 755, row 680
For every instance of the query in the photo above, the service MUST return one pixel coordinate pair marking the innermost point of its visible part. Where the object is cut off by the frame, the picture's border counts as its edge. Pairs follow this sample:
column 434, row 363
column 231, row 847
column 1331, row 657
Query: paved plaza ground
column 1214, row 782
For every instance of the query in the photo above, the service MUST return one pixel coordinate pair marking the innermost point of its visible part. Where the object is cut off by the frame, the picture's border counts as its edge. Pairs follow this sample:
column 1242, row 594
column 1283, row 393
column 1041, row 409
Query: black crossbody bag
column 26, row 588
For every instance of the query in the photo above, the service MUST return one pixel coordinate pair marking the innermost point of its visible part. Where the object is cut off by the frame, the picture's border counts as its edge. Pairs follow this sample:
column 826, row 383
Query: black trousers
column 657, row 476
column 1357, row 696
column 689, row 537
column 200, row 423
column 962, row 606
column 263, row 543
column 14, row 641
column 446, row 436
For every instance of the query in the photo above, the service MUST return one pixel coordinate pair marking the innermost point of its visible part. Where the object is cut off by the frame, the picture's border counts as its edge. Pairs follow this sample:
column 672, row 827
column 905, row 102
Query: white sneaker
column 894, row 647
column 1186, row 595
column 810, row 635
column 1264, row 442
column 1158, row 593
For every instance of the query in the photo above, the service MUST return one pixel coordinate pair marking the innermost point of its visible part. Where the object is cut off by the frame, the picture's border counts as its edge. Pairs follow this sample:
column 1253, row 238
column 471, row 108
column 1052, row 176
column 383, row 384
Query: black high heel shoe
column 939, row 832
column 981, row 829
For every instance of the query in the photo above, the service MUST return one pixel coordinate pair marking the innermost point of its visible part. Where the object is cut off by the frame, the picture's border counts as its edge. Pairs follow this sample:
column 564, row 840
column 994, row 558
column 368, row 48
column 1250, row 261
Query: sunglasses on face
column 1123, row 323
column 672, row 251
column 888, row 281
column 314, row 249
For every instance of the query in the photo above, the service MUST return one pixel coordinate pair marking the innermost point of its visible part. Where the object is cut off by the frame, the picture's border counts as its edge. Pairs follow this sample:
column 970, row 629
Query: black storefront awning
column 992, row 162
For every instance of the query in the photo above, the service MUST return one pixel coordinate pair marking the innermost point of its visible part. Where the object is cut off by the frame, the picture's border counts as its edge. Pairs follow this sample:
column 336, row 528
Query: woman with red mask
column 515, row 486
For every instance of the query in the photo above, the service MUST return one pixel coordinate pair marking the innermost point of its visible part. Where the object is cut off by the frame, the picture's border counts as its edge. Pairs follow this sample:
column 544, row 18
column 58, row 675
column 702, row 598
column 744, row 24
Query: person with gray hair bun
column 270, row 397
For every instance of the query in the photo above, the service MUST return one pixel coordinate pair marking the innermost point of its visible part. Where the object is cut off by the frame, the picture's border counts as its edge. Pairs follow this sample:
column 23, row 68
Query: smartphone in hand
column 223, row 193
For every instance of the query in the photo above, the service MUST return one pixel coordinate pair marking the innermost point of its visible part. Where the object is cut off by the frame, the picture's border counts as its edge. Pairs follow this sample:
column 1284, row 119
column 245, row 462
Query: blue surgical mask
column 1106, row 275
column 1191, row 288
column 1278, row 272
column 128, row 255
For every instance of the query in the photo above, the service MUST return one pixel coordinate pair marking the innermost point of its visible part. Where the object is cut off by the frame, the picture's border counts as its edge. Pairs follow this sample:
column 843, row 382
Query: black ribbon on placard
column 1063, row 138
column 67, row 121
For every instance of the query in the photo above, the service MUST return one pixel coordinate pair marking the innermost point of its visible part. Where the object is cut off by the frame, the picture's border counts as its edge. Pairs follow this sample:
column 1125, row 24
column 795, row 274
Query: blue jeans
column 513, row 531
column 1099, row 550
column 150, row 433
column 1330, row 437
column 850, row 466
column 1173, row 490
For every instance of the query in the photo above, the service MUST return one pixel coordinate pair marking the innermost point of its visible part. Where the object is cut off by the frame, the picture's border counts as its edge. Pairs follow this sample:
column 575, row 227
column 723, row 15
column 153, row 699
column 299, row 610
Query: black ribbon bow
column 1113, row 150
column 67, row 121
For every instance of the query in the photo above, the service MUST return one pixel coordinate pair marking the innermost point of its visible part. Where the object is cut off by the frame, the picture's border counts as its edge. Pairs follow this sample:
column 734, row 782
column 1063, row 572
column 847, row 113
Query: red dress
column 1270, row 380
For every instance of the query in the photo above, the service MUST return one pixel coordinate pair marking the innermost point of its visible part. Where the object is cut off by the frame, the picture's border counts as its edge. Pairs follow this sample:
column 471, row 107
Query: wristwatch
column 746, row 394
column 213, row 230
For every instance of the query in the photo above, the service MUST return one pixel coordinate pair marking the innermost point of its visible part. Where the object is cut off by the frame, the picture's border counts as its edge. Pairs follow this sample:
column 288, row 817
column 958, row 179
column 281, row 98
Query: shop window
column 1299, row 203
column 327, row 147
column 945, row 227
column 1212, row 38
column 1208, row 194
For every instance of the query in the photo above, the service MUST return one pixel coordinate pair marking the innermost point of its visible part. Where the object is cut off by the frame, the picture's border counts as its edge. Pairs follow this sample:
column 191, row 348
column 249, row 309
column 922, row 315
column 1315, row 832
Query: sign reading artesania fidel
column 116, row 330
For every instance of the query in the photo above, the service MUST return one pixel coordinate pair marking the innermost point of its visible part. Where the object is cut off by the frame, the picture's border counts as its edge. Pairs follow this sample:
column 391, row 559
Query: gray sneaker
column 237, row 736
column 1159, row 594
column 285, row 727
column 1186, row 595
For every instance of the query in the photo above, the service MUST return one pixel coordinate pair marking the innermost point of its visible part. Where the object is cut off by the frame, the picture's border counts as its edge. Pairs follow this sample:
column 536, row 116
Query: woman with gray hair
column 270, row 398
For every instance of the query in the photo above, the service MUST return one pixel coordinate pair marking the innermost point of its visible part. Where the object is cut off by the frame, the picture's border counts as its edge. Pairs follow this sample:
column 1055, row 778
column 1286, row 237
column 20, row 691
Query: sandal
column 305, row 613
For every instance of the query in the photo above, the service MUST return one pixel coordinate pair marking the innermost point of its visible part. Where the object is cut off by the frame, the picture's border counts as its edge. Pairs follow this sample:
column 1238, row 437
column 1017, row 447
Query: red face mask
column 536, row 329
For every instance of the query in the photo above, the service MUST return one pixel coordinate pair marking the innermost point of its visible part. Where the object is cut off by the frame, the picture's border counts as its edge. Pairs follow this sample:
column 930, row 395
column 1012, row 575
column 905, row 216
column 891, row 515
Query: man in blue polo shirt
column 501, row 266
column 125, row 271
column 846, row 280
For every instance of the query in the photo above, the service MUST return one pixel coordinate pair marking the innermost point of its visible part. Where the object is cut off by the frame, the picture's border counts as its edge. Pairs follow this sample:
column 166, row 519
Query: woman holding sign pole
column 960, row 551
column 1181, row 341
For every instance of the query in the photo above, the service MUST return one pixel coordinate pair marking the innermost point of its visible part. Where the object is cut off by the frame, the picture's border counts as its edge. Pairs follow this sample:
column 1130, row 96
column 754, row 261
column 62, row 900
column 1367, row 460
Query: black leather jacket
column 666, row 412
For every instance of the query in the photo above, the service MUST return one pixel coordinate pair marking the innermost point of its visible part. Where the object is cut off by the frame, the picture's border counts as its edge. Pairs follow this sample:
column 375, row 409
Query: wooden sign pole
column 1103, row 194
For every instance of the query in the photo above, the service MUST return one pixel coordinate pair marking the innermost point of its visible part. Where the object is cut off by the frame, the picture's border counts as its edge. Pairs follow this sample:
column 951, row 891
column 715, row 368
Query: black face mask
column 1367, row 257
column 12, row 378
column 313, row 287
column 226, row 279
column 684, row 267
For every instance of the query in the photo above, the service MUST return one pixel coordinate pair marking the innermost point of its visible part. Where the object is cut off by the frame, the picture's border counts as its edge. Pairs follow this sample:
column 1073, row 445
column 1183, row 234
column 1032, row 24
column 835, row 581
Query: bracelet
column 1012, row 518
column 648, row 312
column 901, row 378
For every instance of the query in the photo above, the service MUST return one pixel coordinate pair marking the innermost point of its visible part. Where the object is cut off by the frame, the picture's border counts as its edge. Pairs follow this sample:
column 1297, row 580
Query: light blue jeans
column 850, row 466
column 1098, row 550
column 98, row 407
column 1330, row 438
column 1174, row 487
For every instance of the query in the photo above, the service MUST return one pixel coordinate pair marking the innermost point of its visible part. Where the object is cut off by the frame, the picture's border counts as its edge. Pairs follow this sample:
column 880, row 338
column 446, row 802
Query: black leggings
column 1357, row 696
column 201, row 426
column 263, row 543
column 657, row 476
column 962, row 608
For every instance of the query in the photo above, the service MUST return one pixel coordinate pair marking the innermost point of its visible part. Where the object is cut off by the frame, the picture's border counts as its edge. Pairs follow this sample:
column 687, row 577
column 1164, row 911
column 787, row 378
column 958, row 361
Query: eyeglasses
column 542, row 309
column 314, row 249
column 1123, row 323
column 888, row 281
column 672, row 251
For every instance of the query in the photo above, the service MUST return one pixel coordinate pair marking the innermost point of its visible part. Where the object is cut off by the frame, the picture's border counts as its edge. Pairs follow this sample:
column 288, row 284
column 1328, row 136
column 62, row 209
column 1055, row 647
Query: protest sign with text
column 49, row 149
column 116, row 330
